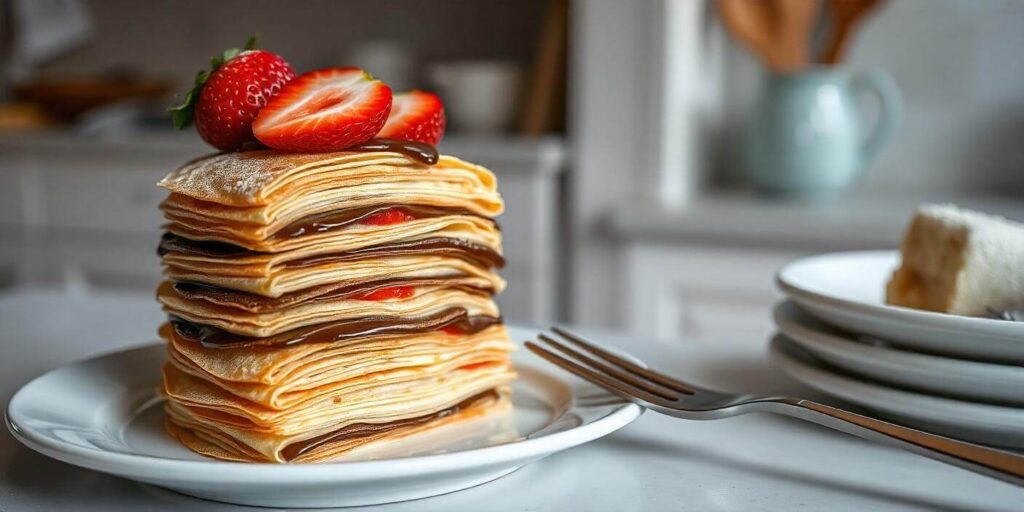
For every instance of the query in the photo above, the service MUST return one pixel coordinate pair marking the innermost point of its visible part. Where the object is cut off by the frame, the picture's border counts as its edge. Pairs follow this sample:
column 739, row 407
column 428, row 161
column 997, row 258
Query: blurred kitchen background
column 620, row 133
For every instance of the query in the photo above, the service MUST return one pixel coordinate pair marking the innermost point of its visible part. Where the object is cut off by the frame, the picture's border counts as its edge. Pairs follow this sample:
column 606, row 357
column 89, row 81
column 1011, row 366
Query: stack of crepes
column 321, row 302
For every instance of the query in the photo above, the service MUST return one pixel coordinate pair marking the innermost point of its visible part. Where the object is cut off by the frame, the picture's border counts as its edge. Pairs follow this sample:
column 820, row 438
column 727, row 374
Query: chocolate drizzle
column 215, row 337
column 421, row 152
column 436, row 246
column 358, row 430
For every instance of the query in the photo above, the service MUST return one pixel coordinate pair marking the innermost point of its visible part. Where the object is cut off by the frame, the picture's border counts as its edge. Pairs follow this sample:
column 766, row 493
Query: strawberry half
column 225, row 101
column 326, row 110
column 415, row 116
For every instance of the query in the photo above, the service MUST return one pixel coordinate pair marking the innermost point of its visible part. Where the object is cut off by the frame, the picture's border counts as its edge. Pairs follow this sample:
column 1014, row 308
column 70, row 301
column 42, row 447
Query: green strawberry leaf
column 183, row 114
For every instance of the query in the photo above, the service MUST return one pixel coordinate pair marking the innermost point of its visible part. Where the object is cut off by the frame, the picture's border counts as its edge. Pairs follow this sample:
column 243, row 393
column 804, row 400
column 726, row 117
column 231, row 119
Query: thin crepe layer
column 303, row 405
column 283, row 279
column 415, row 199
column 211, row 442
column 252, row 303
column 269, row 381
column 237, row 418
column 175, row 249
column 470, row 228
column 425, row 301
column 239, row 181
column 455, row 320
column 277, row 366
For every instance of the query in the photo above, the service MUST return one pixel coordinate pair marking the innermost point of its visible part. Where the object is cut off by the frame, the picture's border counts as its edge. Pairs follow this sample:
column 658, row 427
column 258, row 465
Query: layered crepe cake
column 322, row 302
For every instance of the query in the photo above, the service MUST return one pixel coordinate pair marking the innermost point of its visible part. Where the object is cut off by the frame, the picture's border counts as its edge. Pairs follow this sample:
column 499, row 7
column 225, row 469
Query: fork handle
column 1002, row 465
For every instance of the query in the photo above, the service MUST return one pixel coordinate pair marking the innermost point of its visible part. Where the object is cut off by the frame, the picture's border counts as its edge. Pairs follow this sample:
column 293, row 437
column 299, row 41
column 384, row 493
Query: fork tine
column 633, row 380
column 658, row 377
column 619, row 388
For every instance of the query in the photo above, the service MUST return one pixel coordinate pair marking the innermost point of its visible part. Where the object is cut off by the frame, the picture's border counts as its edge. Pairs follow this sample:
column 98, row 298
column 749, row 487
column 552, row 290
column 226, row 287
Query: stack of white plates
column 955, row 375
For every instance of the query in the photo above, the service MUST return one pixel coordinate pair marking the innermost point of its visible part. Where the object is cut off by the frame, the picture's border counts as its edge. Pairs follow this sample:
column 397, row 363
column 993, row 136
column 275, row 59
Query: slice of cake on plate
column 960, row 262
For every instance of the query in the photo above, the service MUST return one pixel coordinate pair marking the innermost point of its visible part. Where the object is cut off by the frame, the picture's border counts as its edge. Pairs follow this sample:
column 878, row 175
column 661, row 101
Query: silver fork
column 661, row 393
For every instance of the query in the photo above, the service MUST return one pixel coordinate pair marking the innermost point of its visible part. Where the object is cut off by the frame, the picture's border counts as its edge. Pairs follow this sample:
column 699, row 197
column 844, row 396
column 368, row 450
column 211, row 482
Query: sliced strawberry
column 388, row 217
column 415, row 116
column 388, row 292
column 326, row 110
column 477, row 366
column 225, row 101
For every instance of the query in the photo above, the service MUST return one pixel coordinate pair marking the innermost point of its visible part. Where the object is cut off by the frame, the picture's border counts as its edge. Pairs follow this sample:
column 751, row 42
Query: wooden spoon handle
column 751, row 23
column 846, row 15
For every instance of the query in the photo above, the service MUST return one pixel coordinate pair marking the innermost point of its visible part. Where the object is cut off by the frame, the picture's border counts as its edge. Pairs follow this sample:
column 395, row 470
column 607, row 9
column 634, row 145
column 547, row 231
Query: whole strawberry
column 225, row 100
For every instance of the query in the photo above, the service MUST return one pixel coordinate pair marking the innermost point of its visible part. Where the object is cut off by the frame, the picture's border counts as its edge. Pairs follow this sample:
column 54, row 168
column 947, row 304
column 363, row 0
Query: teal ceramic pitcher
column 805, row 136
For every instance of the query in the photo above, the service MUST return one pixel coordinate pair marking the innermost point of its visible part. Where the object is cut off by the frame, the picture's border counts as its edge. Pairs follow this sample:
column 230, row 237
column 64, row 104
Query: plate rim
column 992, row 411
column 834, row 341
column 931, row 319
column 142, row 467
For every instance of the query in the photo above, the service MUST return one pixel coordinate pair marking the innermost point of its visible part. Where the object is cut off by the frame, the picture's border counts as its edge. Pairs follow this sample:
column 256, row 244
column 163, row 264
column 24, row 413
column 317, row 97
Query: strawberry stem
column 183, row 114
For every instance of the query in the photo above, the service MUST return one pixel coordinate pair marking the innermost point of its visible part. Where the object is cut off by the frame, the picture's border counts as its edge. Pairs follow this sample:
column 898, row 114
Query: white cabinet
column 83, row 212
column 681, row 291
column 708, row 270
column 529, row 176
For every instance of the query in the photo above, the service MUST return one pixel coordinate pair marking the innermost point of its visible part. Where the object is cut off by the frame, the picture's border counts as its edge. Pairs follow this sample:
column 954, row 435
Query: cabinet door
column 701, row 292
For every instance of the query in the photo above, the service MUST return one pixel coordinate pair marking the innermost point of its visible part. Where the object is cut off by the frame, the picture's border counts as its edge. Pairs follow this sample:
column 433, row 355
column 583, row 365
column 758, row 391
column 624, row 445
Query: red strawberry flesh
column 388, row 217
column 389, row 292
column 415, row 116
column 326, row 110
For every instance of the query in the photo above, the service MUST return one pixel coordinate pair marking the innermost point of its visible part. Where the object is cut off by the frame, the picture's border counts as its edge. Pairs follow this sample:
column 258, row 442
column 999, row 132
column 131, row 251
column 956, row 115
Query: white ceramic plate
column 103, row 414
column 982, row 423
column 848, row 290
column 877, row 359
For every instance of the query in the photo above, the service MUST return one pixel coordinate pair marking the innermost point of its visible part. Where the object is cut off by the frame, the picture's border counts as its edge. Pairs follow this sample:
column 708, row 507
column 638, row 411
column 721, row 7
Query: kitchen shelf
column 709, row 267
column 858, row 222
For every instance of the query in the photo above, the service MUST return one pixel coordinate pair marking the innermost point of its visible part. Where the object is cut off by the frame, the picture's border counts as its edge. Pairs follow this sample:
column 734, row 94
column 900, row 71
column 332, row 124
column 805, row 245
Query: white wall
column 960, row 67
column 174, row 39
column 959, row 63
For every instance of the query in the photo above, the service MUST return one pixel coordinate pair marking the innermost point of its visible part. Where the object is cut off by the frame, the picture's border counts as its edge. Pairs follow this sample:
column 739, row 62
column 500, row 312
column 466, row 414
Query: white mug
column 479, row 96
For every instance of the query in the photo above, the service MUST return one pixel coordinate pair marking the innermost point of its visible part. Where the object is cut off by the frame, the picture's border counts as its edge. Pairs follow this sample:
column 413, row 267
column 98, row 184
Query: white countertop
column 755, row 462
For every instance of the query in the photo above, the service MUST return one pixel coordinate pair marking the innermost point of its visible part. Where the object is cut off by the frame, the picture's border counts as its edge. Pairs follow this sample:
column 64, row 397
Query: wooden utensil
column 753, row 24
column 544, row 101
column 64, row 99
column 795, row 23
column 776, row 30
column 845, row 16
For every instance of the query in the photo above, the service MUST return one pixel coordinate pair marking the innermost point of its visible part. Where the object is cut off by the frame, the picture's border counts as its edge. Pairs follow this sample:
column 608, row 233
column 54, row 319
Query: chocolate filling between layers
column 215, row 337
column 437, row 246
column 331, row 221
column 326, row 222
column 257, row 303
column 357, row 430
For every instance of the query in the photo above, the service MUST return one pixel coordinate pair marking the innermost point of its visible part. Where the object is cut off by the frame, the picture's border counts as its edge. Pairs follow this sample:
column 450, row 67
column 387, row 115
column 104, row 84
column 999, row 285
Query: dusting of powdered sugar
column 250, row 177
column 230, row 177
